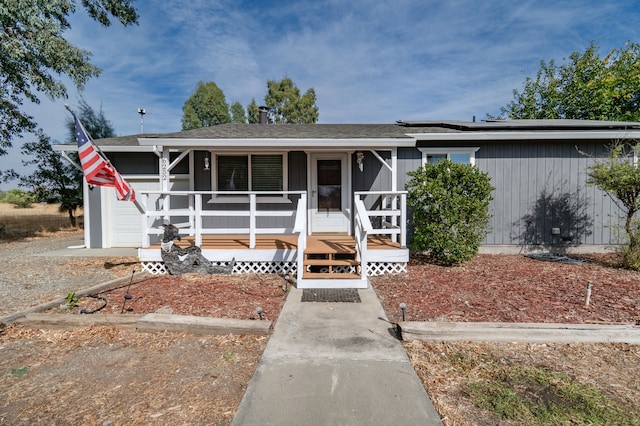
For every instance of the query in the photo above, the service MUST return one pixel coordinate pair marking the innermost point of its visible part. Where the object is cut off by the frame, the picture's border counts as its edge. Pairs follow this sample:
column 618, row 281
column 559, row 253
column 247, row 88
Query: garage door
column 124, row 221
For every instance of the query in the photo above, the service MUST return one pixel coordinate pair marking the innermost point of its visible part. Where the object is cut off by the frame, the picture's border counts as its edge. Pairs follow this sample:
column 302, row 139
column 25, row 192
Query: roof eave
column 281, row 143
column 528, row 135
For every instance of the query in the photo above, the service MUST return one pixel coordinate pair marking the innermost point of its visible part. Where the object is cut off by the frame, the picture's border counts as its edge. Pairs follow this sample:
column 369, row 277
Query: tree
column 54, row 178
column 253, row 112
column 286, row 106
column 95, row 123
column 619, row 176
column 206, row 107
column 450, row 205
column 237, row 113
column 19, row 198
column 36, row 57
column 585, row 87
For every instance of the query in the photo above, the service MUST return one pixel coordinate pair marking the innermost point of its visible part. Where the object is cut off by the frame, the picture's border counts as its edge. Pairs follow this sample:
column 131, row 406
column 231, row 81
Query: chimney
column 263, row 115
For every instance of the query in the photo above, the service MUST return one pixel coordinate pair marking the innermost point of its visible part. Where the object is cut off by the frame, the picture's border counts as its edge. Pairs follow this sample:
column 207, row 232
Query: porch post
column 394, row 169
column 198, row 219
column 403, row 220
column 252, row 220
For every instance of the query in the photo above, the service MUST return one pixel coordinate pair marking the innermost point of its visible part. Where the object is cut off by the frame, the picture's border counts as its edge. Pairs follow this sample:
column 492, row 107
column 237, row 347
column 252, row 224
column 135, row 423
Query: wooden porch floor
column 315, row 243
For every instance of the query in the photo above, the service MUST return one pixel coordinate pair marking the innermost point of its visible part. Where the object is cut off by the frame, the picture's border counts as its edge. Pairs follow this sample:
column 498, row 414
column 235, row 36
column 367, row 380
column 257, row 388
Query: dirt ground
column 106, row 376
column 111, row 377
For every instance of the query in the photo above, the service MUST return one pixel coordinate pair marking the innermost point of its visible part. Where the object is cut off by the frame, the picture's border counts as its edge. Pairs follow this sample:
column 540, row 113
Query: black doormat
column 348, row 295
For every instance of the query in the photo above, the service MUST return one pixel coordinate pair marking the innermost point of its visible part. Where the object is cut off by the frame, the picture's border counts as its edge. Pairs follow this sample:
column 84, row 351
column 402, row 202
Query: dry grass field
column 18, row 223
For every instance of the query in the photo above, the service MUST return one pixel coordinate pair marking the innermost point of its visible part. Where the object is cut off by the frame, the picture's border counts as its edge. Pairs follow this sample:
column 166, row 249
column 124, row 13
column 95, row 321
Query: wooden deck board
column 315, row 244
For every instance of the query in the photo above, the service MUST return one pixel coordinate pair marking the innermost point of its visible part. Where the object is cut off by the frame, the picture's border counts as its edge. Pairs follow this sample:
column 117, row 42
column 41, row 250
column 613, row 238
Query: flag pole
column 141, row 208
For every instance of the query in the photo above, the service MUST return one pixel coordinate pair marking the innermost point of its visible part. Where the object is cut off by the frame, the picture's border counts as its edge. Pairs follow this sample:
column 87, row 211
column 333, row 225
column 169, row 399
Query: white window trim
column 242, row 199
column 446, row 151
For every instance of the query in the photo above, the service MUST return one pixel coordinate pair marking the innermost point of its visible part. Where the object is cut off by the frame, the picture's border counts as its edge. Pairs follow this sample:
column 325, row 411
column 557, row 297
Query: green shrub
column 20, row 199
column 450, row 205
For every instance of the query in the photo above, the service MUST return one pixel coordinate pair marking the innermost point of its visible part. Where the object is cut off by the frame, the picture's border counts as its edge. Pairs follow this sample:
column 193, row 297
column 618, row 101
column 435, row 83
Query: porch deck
column 315, row 243
column 275, row 240
column 278, row 253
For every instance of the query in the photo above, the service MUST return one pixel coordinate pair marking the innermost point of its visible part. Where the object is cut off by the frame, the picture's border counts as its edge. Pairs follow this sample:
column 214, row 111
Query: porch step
column 331, row 257
column 331, row 276
column 331, row 262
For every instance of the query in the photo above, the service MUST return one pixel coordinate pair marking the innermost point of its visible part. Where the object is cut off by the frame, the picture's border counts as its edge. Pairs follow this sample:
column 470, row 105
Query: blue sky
column 368, row 61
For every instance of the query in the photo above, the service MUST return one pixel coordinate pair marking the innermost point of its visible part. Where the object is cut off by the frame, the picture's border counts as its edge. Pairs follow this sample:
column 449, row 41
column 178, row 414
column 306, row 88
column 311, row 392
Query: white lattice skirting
column 158, row 268
column 382, row 268
column 374, row 269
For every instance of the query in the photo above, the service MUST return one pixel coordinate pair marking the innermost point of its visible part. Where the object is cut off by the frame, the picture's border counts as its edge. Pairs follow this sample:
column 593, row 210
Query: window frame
column 471, row 151
column 220, row 197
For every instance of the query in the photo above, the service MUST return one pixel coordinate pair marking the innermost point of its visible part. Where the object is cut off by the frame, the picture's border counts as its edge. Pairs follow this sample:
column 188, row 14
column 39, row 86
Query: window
column 456, row 155
column 250, row 172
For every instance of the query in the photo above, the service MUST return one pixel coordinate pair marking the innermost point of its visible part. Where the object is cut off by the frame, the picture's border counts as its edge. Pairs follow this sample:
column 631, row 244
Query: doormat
column 347, row 295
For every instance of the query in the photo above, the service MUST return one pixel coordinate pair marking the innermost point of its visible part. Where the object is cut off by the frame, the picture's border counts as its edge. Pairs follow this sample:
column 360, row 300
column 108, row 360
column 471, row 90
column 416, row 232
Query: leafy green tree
column 237, row 113
column 206, row 107
column 35, row 57
column 94, row 122
column 619, row 175
column 19, row 198
column 450, row 205
column 253, row 112
column 586, row 87
column 54, row 178
column 287, row 106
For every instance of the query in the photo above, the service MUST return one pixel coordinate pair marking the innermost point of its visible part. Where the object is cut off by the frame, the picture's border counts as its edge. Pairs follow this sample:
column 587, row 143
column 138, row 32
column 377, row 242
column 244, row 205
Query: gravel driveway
column 41, row 269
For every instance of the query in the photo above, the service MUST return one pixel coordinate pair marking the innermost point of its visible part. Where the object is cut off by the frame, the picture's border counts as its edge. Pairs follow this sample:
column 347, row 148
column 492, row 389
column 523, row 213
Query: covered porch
column 268, row 238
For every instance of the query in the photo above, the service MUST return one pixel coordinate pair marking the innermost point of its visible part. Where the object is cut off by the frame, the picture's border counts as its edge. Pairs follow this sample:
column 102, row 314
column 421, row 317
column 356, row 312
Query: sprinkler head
column 127, row 296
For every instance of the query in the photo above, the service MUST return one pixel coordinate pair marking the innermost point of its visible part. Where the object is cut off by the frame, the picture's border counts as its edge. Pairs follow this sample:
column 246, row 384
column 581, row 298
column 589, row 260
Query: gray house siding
column 542, row 186
column 95, row 220
column 297, row 181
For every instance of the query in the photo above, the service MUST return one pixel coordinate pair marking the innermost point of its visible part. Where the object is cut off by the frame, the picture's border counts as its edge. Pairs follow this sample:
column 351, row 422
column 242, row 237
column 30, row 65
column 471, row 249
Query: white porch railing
column 390, row 212
column 184, row 209
column 362, row 230
column 389, row 208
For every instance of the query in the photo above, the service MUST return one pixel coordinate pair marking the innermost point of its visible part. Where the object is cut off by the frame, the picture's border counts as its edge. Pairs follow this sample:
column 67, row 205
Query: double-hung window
column 250, row 172
column 456, row 155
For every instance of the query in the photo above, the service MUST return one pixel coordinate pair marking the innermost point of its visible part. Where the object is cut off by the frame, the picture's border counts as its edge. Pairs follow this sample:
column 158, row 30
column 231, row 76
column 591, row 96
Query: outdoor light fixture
column 127, row 296
column 403, row 308
column 360, row 160
column 259, row 312
column 206, row 161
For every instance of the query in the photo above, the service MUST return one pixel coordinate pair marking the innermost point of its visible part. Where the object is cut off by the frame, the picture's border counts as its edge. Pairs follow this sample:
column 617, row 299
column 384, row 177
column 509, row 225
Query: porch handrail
column 393, row 204
column 194, row 213
column 300, row 227
column 362, row 230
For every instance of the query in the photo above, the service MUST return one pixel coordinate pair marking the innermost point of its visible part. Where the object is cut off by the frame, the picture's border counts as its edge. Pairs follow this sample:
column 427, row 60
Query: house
column 328, row 200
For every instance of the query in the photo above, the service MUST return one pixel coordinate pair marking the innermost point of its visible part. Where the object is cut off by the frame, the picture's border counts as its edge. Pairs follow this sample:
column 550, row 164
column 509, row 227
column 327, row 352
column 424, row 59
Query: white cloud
column 368, row 61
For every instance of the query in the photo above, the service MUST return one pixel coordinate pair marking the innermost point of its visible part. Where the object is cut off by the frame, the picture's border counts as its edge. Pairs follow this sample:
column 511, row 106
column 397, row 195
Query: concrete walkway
column 334, row 364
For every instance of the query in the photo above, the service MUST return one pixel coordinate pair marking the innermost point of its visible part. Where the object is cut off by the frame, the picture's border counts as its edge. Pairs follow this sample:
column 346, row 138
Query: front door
column 329, row 202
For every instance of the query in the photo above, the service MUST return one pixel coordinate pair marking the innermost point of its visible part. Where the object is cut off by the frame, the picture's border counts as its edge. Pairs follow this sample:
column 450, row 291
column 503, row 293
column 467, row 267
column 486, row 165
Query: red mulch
column 513, row 288
column 219, row 296
column 501, row 288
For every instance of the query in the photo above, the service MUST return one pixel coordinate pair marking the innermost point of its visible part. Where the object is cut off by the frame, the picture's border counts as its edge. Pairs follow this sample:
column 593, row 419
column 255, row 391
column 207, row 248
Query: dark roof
column 365, row 131
column 281, row 131
column 301, row 131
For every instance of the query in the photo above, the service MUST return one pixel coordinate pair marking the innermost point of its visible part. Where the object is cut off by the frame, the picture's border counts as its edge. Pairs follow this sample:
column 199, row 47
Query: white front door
column 329, row 201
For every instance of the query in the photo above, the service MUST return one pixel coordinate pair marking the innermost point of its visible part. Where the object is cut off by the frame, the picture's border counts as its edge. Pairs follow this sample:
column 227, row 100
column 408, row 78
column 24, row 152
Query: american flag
column 97, row 170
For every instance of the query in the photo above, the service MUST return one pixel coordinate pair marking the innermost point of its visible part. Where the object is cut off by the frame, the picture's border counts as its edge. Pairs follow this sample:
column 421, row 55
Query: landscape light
column 403, row 308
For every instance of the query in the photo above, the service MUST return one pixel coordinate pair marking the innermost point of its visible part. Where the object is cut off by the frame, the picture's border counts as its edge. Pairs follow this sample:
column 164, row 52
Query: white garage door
column 124, row 221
